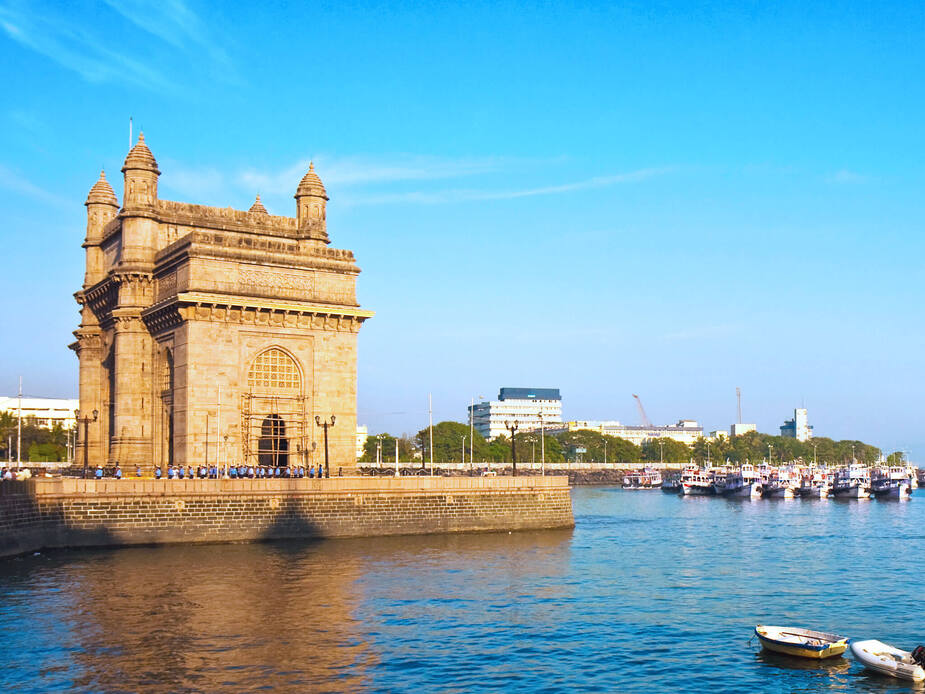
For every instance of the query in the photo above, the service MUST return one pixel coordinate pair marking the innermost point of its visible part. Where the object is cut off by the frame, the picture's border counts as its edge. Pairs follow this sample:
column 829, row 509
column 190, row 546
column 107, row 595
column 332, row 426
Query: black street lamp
column 325, row 424
column 512, row 427
column 86, row 422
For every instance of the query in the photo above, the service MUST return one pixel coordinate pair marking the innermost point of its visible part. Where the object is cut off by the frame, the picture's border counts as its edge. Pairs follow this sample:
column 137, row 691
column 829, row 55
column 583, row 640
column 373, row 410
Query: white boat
column 742, row 483
column 890, row 483
column 887, row 660
column 852, row 483
column 816, row 483
column 782, row 485
column 697, row 483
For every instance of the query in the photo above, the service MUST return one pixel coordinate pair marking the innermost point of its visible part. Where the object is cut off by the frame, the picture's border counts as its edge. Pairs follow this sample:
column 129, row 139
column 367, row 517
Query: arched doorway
column 273, row 446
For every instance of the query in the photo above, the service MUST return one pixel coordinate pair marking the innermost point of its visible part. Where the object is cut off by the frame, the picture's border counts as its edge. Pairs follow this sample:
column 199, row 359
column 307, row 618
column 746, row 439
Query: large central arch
column 274, row 412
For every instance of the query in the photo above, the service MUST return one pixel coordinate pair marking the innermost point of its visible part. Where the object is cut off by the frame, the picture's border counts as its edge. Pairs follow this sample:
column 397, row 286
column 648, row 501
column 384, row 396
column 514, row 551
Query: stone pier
column 55, row 513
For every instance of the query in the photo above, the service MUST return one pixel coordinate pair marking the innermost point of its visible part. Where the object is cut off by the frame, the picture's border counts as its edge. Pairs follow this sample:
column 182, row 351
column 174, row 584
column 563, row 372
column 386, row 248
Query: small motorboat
column 883, row 658
column 804, row 643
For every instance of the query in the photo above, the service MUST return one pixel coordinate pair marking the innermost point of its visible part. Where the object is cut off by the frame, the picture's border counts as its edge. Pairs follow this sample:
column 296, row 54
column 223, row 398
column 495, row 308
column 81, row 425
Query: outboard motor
column 918, row 655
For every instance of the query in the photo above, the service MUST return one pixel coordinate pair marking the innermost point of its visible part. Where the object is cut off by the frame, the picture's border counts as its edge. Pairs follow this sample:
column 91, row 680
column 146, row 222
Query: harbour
column 647, row 591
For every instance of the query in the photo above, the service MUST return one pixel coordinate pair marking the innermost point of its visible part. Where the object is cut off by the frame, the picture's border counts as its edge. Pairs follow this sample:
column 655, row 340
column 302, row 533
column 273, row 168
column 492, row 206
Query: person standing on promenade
column 311, row 471
column 157, row 472
column 118, row 473
column 138, row 471
column 99, row 472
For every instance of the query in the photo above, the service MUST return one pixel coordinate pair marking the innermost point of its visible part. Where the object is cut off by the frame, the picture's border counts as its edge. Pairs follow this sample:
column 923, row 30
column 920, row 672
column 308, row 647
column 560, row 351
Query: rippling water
column 649, row 593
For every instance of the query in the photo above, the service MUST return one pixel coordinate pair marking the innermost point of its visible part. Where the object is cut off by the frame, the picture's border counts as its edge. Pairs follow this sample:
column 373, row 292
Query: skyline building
column 799, row 427
column 531, row 408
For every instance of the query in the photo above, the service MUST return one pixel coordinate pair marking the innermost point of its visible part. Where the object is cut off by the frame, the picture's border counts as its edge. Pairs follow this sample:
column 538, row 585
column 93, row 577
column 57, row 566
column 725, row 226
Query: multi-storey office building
column 531, row 408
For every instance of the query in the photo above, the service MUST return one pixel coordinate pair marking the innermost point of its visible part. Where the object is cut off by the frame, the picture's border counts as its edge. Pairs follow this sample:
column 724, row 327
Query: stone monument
column 214, row 335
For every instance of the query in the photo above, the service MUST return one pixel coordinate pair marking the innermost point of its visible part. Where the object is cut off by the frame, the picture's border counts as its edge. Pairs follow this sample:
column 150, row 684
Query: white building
column 798, row 428
column 531, row 408
column 362, row 435
column 686, row 431
column 739, row 429
column 43, row 412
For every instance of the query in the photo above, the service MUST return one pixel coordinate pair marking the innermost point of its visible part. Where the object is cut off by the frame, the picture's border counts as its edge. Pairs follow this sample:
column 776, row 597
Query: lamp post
column 605, row 451
column 512, row 427
column 462, row 452
column 814, row 455
column 325, row 425
column 661, row 454
column 86, row 422
column 769, row 454
column 542, row 444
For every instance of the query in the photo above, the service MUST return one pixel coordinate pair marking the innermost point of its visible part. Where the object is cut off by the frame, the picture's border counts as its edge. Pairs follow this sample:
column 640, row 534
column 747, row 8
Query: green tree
column 405, row 448
column 671, row 451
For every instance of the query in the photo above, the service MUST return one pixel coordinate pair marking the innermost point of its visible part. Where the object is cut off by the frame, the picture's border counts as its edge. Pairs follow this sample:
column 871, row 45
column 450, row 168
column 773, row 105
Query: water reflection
column 289, row 616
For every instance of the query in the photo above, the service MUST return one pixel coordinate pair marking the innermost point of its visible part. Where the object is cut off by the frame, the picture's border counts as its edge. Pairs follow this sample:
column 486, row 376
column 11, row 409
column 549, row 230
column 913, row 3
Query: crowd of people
column 212, row 472
column 9, row 473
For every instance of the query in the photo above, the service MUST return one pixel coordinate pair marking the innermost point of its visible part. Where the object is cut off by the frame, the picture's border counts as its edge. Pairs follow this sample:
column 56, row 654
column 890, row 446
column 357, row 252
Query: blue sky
column 671, row 199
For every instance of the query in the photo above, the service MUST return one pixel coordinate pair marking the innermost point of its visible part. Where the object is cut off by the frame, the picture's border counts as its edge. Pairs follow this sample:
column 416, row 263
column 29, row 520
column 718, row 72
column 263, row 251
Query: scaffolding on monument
column 275, row 430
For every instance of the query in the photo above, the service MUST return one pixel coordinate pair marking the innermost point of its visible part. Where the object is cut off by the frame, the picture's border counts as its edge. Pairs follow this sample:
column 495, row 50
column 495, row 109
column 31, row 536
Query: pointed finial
column 311, row 166
column 141, row 136
column 102, row 174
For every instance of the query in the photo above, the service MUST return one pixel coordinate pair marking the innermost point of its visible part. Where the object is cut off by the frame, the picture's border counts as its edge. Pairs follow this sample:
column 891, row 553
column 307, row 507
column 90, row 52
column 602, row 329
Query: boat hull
column 823, row 648
column 887, row 660
column 696, row 490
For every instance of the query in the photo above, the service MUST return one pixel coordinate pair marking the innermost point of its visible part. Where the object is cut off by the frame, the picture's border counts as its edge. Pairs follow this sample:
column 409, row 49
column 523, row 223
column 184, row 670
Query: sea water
column 649, row 592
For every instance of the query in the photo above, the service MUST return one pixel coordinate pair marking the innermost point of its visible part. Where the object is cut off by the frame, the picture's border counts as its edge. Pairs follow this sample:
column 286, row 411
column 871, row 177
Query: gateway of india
column 213, row 335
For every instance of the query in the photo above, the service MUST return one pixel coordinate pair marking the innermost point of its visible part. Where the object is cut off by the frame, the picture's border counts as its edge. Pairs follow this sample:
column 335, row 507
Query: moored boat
column 695, row 482
column 804, row 643
column 784, row 484
column 851, row 483
column 890, row 483
column 671, row 484
column 888, row 660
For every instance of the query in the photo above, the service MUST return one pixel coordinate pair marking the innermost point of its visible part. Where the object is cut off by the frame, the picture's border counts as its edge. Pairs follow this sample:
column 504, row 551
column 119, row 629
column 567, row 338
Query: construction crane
column 642, row 412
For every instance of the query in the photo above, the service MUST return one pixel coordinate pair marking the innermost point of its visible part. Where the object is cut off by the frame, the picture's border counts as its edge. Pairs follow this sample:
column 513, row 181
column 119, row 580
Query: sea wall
column 48, row 513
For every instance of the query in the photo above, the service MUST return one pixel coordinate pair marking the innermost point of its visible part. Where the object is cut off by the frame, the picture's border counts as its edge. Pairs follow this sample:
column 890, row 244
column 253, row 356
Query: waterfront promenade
column 63, row 512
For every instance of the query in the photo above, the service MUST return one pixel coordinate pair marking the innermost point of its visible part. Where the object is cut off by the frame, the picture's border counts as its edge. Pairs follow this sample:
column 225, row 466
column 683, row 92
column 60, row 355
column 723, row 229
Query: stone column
column 132, row 437
column 89, row 353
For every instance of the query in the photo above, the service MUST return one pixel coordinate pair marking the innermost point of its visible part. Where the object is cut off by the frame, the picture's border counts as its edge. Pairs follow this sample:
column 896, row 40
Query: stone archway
column 273, row 445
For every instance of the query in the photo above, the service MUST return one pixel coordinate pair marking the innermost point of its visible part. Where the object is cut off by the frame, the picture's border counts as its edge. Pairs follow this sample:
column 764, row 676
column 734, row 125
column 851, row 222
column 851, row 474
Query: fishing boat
column 671, row 484
column 782, row 485
column 851, row 483
column 890, row 483
column 887, row 660
column 816, row 483
column 632, row 480
column 804, row 643
column 741, row 483
column 695, row 482
column 648, row 478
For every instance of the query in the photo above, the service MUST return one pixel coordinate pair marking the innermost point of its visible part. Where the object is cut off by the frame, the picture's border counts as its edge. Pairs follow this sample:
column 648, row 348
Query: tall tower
column 311, row 199
column 130, row 401
column 102, row 207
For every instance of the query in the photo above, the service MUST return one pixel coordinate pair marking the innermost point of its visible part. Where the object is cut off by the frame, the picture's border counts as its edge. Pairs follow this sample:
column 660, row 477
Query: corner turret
column 311, row 200
column 141, row 172
column 102, row 208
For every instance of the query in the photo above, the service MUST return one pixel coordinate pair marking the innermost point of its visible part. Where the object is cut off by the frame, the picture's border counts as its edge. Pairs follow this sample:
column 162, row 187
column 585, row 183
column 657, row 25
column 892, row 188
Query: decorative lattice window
column 274, row 370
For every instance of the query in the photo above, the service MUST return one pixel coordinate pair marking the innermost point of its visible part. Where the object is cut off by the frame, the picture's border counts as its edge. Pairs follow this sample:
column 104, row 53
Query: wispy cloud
column 466, row 195
column 356, row 178
column 358, row 170
column 16, row 182
column 72, row 40
column 172, row 21
column 74, row 47
column 846, row 176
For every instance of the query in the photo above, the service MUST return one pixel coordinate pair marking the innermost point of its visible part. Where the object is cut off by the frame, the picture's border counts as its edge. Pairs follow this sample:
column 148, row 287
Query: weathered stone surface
column 180, row 301
column 37, row 514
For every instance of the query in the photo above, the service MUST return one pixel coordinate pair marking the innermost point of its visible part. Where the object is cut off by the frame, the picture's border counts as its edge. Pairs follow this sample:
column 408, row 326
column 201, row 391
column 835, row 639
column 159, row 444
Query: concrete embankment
column 48, row 513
